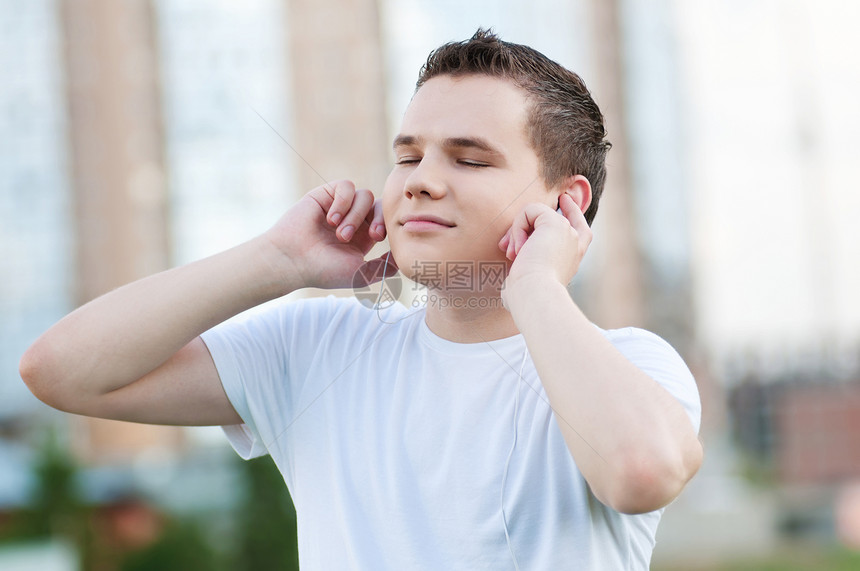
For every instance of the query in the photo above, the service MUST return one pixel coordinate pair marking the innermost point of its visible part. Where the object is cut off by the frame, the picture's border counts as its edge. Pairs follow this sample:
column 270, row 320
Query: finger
column 375, row 270
column 517, row 234
column 362, row 203
column 376, row 221
column 506, row 239
column 567, row 205
column 525, row 223
column 389, row 265
column 577, row 220
column 342, row 193
column 506, row 244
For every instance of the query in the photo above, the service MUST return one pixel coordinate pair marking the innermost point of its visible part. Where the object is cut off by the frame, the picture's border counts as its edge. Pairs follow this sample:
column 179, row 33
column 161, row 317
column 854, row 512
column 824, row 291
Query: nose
column 425, row 180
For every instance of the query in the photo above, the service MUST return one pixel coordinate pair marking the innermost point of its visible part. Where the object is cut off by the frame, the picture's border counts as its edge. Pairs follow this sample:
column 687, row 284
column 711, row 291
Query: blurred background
column 136, row 135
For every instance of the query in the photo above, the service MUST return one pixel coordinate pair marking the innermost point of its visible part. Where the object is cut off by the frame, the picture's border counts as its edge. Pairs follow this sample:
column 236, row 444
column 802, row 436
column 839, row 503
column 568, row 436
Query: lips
column 425, row 220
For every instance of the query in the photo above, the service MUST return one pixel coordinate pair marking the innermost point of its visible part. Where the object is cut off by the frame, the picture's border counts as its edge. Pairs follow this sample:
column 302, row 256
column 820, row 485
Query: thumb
column 375, row 270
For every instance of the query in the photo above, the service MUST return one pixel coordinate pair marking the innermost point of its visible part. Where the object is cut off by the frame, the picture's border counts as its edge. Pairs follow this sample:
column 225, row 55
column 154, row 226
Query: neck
column 468, row 318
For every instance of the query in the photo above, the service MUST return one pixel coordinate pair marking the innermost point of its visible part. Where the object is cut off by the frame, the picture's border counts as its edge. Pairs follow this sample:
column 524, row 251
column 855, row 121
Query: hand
column 540, row 241
column 326, row 235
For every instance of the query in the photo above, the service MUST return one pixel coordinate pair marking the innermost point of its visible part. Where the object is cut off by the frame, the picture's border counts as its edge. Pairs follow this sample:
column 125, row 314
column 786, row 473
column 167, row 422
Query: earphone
column 382, row 282
column 508, row 462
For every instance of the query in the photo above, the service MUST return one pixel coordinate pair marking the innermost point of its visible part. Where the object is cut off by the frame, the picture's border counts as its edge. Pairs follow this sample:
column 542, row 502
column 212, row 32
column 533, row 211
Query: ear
column 578, row 188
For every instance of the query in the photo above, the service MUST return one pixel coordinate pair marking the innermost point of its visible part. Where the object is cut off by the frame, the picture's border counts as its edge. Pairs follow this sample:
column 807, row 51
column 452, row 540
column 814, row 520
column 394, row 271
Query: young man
column 496, row 428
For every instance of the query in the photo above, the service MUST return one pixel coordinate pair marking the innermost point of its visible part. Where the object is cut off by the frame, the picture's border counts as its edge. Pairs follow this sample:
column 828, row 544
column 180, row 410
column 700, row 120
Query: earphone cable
column 508, row 462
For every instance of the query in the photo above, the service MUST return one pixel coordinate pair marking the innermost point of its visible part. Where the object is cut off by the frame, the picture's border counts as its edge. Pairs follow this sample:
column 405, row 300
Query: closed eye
column 473, row 164
column 464, row 162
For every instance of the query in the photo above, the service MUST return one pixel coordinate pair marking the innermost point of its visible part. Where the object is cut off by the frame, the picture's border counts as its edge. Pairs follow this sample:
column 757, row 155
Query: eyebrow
column 478, row 143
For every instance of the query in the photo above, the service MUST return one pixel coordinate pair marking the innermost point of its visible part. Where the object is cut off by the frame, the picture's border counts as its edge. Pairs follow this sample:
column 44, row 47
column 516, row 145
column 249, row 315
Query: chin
column 427, row 266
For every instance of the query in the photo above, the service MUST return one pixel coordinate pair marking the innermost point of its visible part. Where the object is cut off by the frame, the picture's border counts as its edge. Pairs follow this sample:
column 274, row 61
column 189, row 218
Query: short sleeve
column 259, row 358
column 244, row 438
column 661, row 362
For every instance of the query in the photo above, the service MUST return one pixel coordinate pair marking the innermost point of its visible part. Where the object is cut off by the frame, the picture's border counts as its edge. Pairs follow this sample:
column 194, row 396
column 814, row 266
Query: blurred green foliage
column 266, row 520
column 56, row 506
column 56, row 509
column 806, row 558
column 263, row 523
column 182, row 546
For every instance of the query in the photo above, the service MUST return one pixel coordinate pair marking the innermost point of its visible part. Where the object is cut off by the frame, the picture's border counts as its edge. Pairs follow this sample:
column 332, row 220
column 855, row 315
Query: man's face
column 463, row 169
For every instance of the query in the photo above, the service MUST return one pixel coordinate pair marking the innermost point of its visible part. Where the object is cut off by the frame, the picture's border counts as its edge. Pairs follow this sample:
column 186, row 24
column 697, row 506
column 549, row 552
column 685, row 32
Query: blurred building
column 159, row 133
column 771, row 141
column 140, row 135
column 769, row 129
column 771, row 145
column 36, row 273
column 36, row 254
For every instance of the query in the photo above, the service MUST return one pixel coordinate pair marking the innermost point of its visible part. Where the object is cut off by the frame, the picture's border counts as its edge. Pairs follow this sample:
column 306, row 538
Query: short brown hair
column 565, row 126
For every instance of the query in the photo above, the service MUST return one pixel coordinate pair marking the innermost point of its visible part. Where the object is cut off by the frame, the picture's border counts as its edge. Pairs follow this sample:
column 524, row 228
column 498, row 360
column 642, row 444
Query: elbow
column 644, row 483
column 39, row 373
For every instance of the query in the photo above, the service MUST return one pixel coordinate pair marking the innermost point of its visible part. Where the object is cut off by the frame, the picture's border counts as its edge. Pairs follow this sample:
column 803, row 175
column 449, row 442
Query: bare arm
column 135, row 353
column 630, row 438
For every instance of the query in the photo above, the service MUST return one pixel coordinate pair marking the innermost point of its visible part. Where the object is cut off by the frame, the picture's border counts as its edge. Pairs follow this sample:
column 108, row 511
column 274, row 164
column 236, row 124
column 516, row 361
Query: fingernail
column 346, row 232
column 335, row 218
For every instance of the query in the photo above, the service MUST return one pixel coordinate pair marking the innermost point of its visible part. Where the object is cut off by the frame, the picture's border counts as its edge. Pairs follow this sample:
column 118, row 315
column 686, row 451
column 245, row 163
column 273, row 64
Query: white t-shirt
column 393, row 442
